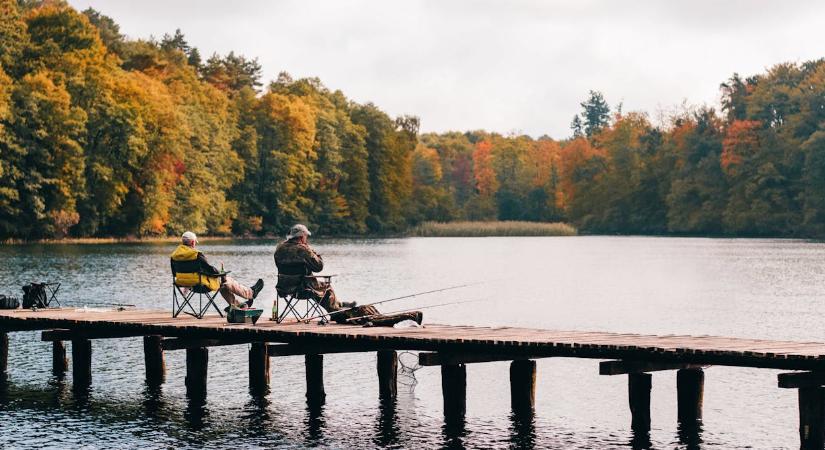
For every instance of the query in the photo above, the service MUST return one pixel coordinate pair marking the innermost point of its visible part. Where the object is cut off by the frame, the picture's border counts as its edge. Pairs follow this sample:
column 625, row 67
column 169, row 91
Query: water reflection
column 81, row 396
column 153, row 404
column 522, row 430
column 387, row 430
column 454, row 431
column 196, row 414
column 257, row 416
column 315, row 422
column 690, row 435
column 640, row 439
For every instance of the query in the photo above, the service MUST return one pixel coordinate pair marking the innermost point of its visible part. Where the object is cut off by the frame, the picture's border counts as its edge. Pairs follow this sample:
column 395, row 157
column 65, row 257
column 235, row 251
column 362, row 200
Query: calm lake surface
column 740, row 287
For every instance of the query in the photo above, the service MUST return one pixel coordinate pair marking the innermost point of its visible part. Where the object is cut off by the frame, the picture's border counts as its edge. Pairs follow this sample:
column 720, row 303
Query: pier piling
column 60, row 364
column 454, row 390
column 812, row 417
column 4, row 355
column 155, row 362
column 690, row 388
column 258, row 367
column 523, row 386
column 639, row 386
column 197, row 362
column 315, row 378
column 387, row 366
column 82, row 362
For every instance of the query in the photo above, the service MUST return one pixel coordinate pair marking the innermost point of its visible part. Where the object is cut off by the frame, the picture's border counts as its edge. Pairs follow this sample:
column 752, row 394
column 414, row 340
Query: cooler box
column 243, row 315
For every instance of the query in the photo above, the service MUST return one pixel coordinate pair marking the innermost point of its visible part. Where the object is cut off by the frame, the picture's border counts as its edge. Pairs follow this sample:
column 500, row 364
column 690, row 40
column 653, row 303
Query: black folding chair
column 293, row 301
column 41, row 295
column 182, row 296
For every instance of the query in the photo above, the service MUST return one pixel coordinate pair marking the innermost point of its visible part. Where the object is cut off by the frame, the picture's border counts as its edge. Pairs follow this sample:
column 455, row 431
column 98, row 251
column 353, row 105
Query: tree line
column 106, row 136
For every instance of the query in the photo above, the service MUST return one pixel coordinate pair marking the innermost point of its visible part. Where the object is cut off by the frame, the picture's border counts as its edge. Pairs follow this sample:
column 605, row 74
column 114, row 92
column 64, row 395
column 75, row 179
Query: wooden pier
column 451, row 347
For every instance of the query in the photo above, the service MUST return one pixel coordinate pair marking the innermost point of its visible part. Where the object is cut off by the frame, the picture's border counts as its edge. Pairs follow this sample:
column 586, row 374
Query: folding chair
column 182, row 295
column 293, row 299
column 40, row 295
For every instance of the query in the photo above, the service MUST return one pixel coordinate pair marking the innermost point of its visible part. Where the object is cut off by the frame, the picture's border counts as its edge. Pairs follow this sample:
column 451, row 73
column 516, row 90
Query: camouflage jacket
column 295, row 260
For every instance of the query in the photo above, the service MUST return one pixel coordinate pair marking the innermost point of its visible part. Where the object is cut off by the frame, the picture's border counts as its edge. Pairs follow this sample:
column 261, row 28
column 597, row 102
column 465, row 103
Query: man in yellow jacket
column 190, row 268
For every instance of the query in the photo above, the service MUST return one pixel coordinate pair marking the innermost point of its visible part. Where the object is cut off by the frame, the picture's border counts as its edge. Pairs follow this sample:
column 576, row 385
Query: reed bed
column 493, row 228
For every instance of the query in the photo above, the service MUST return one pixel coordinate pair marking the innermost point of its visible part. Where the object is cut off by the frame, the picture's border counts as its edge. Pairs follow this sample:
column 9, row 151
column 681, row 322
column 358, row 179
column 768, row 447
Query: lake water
column 733, row 287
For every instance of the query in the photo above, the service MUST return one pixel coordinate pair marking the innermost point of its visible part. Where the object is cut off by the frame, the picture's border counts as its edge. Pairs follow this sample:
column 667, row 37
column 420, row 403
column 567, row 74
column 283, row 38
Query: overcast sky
column 506, row 66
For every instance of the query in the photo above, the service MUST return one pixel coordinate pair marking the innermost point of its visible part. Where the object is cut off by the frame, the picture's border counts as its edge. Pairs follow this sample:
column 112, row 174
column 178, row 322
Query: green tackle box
column 243, row 315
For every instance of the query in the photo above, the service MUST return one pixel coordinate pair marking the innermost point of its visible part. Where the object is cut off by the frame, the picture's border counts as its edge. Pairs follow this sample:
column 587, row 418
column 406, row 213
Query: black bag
column 9, row 302
column 34, row 295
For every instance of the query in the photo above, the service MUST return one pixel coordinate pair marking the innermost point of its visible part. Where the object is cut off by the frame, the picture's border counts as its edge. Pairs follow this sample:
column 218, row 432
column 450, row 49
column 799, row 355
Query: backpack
column 34, row 295
column 9, row 302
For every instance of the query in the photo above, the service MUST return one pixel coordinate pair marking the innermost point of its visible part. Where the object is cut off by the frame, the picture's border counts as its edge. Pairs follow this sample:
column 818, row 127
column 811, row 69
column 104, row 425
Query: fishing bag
column 9, row 302
column 34, row 296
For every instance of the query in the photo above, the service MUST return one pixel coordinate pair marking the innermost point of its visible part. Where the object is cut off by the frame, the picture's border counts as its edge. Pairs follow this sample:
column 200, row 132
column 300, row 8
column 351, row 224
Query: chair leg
column 290, row 309
column 212, row 302
column 183, row 303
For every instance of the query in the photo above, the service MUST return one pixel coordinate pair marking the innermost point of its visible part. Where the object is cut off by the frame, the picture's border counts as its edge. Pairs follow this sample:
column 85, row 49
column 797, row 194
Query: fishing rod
column 352, row 319
column 393, row 299
column 123, row 305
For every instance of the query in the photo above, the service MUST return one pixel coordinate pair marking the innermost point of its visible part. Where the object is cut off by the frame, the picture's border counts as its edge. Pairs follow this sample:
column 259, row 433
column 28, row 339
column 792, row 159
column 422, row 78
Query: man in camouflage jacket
column 296, row 260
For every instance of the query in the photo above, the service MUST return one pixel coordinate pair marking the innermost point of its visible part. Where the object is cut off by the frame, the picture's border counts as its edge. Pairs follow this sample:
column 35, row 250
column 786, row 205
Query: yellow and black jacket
column 190, row 268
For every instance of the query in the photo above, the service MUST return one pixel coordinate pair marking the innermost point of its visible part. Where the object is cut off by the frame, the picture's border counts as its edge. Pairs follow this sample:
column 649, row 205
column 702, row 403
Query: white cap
column 298, row 230
column 189, row 238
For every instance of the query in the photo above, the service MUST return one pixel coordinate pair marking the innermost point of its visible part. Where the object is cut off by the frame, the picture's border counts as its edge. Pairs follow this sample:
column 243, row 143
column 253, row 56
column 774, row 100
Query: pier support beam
column 454, row 390
column 4, row 356
column 59, row 362
column 638, row 388
column 315, row 378
column 155, row 362
column 523, row 386
column 82, row 362
column 387, row 366
column 690, row 388
column 812, row 417
column 197, row 361
column 258, row 367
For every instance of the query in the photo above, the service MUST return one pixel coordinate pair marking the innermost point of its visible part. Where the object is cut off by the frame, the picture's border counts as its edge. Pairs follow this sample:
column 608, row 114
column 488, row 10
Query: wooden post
column 258, row 367
column 523, row 385
column 197, row 361
column 812, row 417
column 690, row 388
column 639, row 385
column 59, row 362
column 4, row 356
column 387, row 366
column 82, row 362
column 315, row 378
column 155, row 363
column 454, row 390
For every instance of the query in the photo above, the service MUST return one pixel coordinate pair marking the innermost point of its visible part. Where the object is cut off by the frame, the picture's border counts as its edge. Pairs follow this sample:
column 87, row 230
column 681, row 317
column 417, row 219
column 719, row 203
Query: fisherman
column 188, row 264
column 296, row 260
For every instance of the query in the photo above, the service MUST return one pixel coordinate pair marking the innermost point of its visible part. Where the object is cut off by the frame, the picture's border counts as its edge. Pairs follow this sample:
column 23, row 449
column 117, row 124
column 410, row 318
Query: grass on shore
column 494, row 228
column 426, row 229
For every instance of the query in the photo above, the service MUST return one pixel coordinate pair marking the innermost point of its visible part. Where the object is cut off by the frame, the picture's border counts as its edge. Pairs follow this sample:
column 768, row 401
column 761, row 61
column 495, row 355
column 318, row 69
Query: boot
column 256, row 289
column 349, row 304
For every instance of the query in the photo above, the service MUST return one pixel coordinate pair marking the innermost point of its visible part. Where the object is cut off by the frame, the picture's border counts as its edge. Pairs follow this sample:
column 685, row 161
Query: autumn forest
column 101, row 135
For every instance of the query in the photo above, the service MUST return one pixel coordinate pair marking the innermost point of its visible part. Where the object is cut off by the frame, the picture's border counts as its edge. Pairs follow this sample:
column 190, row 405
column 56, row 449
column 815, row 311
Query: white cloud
column 498, row 65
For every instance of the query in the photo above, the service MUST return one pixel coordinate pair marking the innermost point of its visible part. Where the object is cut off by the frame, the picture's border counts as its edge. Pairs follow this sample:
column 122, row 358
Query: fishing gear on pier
column 368, row 316
column 119, row 305
column 343, row 310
